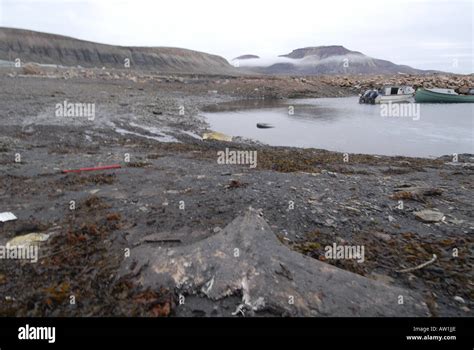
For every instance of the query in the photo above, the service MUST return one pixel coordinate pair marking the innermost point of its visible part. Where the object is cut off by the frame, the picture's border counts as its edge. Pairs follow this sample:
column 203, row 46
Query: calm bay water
column 342, row 124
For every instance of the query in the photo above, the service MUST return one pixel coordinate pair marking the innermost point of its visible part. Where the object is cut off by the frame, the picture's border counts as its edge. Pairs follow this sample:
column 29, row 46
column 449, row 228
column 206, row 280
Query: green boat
column 441, row 96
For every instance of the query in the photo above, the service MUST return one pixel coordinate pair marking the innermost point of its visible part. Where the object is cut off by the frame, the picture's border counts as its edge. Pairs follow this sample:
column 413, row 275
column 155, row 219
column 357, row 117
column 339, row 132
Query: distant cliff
column 31, row 46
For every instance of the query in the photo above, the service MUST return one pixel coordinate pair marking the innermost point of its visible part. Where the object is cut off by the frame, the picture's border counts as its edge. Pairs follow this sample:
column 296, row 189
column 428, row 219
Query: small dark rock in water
column 264, row 126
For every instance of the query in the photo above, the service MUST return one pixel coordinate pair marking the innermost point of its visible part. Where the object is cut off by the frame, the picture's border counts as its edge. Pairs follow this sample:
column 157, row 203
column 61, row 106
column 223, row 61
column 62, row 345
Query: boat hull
column 426, row 96
column 394, row 98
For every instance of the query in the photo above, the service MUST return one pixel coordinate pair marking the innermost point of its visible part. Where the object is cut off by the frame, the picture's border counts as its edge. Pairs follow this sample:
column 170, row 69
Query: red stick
column 115, row 166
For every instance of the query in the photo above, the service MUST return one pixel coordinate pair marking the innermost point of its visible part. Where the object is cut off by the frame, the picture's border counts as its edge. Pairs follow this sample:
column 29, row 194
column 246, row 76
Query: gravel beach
column 171, row 192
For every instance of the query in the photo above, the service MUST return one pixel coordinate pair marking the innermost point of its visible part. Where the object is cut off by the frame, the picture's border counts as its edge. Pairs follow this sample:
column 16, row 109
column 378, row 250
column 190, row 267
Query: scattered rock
column 384, row 236
column 415, row 193
column 236, row 184
column 31, row 69
column 28, row 239
column 455, row 221
column 216, row 136
column 329, row 222
column 429, row 216
column 382, row 278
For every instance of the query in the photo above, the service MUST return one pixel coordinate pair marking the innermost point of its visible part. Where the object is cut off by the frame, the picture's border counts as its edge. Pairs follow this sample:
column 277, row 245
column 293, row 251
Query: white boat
column 388, row 94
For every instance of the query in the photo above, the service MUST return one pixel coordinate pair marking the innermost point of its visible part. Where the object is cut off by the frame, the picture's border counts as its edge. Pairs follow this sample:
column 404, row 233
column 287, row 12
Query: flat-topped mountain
column 320, row 51
column 334, row 59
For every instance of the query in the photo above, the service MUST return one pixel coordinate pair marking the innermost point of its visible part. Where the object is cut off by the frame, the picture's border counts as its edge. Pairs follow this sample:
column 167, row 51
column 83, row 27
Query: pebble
column 384, row 236
column 382, row 278
column 456, row 221
column 429, row 216
column 329, row 222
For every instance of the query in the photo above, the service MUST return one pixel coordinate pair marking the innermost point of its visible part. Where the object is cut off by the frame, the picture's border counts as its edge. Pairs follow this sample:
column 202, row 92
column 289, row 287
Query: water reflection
column 342, row 124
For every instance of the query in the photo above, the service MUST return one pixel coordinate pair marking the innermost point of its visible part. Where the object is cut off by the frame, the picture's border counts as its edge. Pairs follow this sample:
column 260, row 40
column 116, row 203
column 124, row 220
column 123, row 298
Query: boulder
column 31, row 69
column 246, row 259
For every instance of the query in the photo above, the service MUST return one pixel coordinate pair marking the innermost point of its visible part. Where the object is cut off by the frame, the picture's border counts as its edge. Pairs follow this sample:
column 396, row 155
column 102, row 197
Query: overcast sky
column 427, row 34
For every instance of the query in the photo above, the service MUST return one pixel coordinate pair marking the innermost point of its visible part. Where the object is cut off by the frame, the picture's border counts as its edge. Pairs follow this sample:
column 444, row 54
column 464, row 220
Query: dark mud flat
column 174, row 198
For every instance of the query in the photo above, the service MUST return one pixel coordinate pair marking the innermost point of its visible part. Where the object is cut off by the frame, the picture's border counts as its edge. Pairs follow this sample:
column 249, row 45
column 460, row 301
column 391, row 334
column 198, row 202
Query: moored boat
column 442, row 96
column 388, row 94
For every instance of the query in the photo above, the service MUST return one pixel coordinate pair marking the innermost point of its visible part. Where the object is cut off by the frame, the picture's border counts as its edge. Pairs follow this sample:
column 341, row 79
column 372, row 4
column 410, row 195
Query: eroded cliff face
column 31, row 46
